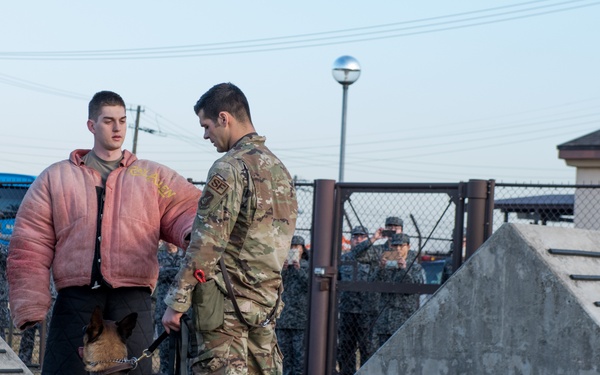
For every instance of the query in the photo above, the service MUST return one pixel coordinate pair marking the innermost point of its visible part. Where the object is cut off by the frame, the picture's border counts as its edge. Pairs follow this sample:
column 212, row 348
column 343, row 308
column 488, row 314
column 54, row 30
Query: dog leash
column 130, row 363
column 183, row 344
column 147, row 353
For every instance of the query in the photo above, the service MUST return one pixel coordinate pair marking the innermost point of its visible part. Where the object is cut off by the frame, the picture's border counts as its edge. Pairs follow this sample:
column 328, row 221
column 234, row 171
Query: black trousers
column 72, row 311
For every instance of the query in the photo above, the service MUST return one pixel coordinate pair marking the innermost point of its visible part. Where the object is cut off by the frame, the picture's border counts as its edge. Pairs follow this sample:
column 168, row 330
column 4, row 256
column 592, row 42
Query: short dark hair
column 224, row 97
column 102, row 99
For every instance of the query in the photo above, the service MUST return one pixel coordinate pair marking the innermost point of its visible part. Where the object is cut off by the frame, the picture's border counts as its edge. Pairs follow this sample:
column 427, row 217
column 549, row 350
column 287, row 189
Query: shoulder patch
column 218, row 184
column 206, row 198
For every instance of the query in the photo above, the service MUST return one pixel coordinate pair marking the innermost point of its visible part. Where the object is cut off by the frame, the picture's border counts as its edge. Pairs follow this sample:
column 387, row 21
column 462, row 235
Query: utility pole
column 137, row 127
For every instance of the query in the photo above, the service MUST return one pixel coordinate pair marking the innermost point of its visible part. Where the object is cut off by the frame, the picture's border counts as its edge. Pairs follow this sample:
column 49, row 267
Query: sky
column 449, row 90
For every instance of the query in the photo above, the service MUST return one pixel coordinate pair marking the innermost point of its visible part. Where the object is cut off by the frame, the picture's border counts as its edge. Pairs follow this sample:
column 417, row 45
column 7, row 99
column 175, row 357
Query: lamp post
column 346, row 71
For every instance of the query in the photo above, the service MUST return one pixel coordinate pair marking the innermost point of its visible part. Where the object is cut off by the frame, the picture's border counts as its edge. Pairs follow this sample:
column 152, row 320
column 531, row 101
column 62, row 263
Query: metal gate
column 434, row 218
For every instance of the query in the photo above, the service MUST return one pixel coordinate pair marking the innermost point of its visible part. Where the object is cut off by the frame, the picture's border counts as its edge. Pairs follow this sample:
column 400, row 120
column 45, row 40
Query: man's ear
column 90, row 126
column 223, row 118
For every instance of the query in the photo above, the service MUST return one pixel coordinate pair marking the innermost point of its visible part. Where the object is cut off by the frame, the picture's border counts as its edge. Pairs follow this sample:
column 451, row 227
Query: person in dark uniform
column 291, row 324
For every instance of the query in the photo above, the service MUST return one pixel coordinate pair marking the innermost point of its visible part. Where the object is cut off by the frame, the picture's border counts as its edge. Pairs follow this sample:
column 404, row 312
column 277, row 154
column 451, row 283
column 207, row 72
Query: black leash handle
column 157, row 342
column 183, row 344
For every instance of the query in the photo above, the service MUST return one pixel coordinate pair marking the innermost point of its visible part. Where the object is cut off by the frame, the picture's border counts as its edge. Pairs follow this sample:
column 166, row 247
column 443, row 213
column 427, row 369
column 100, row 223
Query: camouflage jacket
column 168, row 264
column 247, row 215
column 357, row 302
column 295, row 297
column 366, row 252
column 396, row 308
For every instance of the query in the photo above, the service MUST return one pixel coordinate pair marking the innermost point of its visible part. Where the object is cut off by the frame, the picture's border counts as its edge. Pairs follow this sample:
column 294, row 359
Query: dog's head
column 104, row 341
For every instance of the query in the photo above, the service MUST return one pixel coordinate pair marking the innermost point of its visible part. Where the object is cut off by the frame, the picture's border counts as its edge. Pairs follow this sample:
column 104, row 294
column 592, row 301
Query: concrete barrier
column 10, row 362
column 514, row 307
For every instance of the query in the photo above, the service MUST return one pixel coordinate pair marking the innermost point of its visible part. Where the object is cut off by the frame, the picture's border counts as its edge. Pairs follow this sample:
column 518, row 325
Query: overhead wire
column 29, row 85
column 175, row 134
column 304, row 40
column 185, row 47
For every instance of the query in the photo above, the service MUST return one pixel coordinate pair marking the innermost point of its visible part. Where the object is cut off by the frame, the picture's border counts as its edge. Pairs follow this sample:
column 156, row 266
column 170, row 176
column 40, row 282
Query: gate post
column 479, row 217
column 322, row 273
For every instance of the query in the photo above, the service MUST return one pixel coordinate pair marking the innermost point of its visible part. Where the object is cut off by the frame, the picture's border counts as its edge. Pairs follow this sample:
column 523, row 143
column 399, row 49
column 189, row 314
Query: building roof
column 584, row 149
column 589, row 141
column 551, row 207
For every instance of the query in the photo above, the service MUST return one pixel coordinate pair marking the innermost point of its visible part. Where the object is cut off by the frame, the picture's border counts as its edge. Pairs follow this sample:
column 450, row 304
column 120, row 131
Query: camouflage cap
column 359, row 229
column 394, row 220
column 298, row 240
column 400, row 239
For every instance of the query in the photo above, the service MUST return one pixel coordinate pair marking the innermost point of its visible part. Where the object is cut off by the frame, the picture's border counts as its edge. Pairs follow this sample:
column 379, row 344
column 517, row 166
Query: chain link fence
column 572, row 206
column 372, row 306
column 430, row 221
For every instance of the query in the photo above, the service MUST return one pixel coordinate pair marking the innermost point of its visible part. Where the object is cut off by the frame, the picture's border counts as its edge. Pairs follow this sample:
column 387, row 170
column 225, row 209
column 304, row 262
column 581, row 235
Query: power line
column 29, row 85
column 44, row 89
column 318, row 39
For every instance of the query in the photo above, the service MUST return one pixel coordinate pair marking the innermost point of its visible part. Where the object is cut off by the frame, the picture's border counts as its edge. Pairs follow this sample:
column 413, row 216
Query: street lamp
column 346, row 71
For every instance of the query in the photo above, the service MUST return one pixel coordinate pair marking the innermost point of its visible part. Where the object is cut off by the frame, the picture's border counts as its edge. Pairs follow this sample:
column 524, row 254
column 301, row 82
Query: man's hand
column 377, row 235
column 402, row 263
column 170, row 320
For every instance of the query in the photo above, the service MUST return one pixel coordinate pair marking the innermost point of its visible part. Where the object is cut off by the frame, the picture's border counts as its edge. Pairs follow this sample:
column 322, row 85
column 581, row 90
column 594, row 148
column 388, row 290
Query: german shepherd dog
column 104, row 350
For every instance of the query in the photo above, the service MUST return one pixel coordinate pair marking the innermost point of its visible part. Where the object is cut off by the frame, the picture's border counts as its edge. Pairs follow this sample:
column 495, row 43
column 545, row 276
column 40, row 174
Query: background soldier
column 396, row 308
column 367, row 252
column 169, row 261
column 291, row 325
column 4, row 312
column 358, row 310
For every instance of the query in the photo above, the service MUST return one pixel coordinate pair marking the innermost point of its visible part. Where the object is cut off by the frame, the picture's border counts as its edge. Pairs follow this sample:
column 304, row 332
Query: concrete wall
column 10, row 362
column 510, row 309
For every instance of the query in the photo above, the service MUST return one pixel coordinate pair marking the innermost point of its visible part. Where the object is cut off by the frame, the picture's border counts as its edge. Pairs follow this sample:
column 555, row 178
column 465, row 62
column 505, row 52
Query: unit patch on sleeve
column 218, row 184
column 206, row 198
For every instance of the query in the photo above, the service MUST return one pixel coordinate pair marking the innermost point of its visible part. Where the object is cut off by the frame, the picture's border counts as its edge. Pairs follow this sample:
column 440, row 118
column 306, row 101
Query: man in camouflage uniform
column 4, row 312
column 367, row 252
column 371, row 255
column 358, row 310
column 396, row 308
column 291, row 324
column 246, row 216
column 169, row 261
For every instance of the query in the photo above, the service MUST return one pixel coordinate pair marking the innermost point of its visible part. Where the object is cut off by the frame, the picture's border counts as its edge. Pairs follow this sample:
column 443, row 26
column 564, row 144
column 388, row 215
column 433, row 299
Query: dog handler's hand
column 170, row 320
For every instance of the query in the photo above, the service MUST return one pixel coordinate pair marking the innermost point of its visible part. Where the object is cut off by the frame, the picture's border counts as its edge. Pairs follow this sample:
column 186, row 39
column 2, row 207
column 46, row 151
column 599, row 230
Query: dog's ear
column 126, row 325
column 96, row 326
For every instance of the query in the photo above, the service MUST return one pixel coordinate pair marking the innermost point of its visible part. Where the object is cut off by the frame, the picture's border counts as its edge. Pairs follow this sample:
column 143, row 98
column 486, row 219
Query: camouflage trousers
column 355, row 332
column 236, row 349
column 291, row 342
